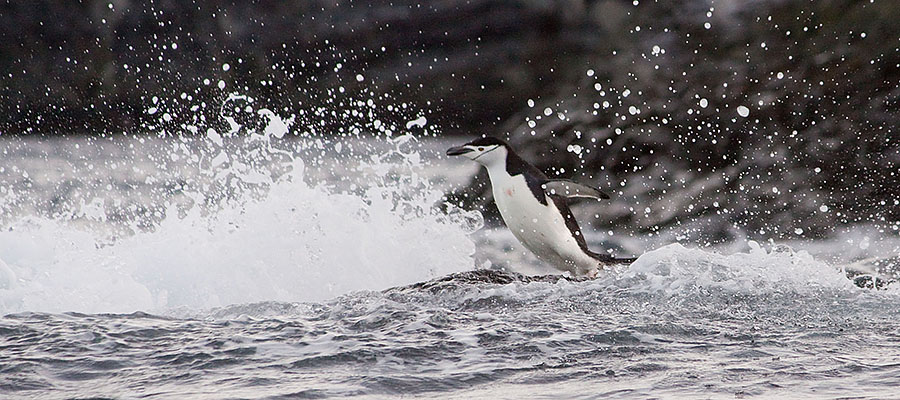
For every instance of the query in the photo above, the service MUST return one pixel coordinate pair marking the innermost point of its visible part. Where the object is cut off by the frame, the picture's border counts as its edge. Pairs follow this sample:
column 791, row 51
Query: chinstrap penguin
column 534, row 207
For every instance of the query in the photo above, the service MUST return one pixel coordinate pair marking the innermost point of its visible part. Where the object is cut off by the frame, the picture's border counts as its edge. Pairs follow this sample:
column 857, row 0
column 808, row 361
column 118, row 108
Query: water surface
column 281, row 268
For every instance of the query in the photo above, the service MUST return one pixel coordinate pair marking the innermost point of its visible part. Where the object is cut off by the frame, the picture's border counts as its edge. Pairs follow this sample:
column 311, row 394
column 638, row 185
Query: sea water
column 276, row 263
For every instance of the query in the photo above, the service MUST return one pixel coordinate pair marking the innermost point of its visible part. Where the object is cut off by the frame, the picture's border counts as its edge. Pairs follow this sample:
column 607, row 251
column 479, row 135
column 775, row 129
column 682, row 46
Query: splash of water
column 248, row 221
column 267, row 211
column 677, row 270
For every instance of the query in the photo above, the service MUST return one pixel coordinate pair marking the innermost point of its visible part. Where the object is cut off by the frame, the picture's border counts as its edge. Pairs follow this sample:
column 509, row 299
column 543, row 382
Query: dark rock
column 874, row 274
column 74, row 67
column 818, row 146
column 480, row 276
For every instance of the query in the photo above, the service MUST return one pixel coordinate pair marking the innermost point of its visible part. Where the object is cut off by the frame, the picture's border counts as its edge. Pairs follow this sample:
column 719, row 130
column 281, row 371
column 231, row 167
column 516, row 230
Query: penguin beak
column 458, row 150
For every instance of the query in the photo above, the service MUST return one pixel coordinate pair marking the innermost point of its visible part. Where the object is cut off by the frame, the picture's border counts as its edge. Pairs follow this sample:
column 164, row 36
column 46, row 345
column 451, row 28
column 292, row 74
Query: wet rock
column 481, row 276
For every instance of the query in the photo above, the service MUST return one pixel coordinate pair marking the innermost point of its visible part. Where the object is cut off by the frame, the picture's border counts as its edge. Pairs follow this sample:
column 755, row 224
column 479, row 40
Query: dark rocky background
column 93, row 66
column 767, row 118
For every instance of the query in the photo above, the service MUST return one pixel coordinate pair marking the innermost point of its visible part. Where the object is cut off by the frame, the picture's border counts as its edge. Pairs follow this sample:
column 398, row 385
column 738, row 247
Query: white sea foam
column 675, row 269
column 269, row 234
column 300, row 243
column 262, row 215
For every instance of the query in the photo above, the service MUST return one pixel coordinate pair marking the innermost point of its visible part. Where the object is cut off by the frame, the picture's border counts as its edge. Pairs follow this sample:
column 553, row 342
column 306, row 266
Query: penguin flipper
column 569, row 189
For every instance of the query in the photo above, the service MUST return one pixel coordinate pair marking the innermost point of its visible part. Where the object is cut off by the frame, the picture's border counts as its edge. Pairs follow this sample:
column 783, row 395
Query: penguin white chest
column 540, row 227
column 521, row 211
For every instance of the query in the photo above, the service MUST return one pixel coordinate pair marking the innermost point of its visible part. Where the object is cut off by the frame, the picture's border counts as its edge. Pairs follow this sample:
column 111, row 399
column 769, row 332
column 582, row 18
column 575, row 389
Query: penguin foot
column 592, row 274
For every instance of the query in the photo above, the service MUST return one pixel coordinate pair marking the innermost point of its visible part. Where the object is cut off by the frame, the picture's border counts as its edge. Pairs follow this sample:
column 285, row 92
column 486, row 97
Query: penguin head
column 485, row 151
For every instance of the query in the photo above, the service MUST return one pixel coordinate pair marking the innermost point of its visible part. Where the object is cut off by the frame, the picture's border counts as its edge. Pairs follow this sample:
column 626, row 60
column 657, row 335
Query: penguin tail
column 624, row 260
column 608, row 259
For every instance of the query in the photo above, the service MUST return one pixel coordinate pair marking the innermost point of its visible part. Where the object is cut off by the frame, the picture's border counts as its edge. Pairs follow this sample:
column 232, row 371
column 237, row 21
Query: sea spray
column 675, row 270
column 236, row 215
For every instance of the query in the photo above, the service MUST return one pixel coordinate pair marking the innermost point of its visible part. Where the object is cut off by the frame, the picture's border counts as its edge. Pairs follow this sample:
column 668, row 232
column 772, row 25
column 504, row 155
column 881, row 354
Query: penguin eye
column 481, row 149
